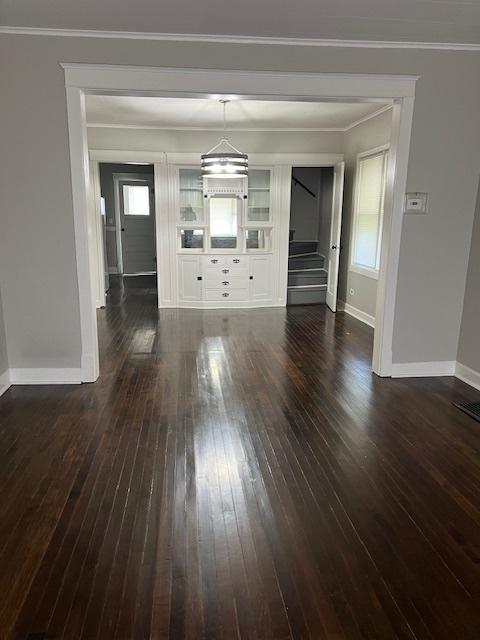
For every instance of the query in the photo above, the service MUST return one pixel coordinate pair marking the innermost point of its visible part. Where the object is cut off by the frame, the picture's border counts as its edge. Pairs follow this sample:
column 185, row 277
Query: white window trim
column 363, row 270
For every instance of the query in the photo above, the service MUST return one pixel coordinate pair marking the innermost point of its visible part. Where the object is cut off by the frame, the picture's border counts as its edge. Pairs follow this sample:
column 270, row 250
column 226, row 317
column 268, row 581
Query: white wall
column 201, row 141
column 365, row 136
column 37, row 252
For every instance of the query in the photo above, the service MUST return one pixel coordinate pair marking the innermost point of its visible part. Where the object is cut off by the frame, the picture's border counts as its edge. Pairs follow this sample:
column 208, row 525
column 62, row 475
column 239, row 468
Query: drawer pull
column 236, row 260
column 225, row 295
column 225, row 282
column 214, row 260
column 225, row 270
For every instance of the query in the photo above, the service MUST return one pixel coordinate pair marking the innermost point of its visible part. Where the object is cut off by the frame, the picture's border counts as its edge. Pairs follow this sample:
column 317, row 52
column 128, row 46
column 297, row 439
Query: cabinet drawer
column 237, row 262
column 213, row 261
column 226, row 295
column 225, row 271
column 220, row 281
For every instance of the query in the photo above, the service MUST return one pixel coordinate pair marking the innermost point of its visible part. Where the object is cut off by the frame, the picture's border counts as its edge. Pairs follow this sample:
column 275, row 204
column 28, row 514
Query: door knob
column 334, row 246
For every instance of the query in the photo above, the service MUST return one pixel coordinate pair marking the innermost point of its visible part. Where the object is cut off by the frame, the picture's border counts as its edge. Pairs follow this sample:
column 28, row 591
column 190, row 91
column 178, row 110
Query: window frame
column 353, row 266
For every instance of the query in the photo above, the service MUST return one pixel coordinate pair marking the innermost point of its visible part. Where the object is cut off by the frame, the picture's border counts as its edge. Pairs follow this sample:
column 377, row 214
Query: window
column 191, row 195
column 259, row 195
column 368, row 212
column 191, row 238
column 136, row 200
column 223, row 223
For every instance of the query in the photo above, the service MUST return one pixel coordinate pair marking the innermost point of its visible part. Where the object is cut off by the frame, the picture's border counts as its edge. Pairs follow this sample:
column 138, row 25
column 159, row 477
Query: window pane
column 258, row 195
column 223, row 223
column 366, row 241
column 259, row 179
column 370, row 184
column 256, row 238
column 369, row 210
column 191, row 195
column 136, row 200
column 191, row 238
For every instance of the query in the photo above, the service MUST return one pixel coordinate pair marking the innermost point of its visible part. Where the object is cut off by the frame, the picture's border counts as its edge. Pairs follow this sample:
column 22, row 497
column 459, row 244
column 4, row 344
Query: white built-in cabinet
column 224, row 239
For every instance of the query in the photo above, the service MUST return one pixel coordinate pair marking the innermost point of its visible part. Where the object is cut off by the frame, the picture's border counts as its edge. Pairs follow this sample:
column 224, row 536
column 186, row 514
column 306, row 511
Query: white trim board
column 45, row 376
column 423, row 369
column 467, row 375
column 398, row 90
column 357, row 313
column 5, row 383
column 231, row 39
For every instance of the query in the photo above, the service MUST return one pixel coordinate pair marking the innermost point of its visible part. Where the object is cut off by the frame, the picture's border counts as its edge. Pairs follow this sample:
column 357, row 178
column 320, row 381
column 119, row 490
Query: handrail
column 297, row 181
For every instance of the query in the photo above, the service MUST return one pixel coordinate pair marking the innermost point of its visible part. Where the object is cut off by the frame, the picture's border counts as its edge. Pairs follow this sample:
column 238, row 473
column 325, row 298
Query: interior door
column 137, row 223
column 335, row 229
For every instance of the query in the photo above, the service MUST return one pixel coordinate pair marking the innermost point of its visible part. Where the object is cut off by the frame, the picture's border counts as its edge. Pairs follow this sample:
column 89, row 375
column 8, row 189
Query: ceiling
column 242, row 115
column 407, row 20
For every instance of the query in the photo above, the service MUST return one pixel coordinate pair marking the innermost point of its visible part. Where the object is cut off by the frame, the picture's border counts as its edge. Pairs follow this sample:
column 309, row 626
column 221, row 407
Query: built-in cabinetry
column 224, row 239
column 219, row 280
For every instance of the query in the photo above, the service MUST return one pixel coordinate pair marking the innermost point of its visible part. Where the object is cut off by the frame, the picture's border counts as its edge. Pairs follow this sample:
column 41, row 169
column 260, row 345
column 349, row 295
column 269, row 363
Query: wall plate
column 416, row 203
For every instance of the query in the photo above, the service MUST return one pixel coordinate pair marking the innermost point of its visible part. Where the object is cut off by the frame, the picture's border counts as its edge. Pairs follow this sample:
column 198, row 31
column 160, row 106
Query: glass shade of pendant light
column 224, row 160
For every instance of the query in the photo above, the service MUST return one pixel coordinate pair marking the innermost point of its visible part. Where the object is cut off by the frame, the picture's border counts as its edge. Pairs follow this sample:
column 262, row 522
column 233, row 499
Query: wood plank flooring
column 238, row 474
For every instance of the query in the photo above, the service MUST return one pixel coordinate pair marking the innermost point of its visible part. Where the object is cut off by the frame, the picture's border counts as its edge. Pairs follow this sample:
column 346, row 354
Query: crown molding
column 231, row 39
column 141, row 127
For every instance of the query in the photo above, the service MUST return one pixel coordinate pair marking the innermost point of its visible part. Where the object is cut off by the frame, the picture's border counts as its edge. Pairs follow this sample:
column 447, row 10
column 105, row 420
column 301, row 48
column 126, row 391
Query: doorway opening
column 309, row 234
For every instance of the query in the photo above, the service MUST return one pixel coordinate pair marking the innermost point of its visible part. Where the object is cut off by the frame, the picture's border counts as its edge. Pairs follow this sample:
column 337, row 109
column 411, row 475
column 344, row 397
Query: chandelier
column 224, row 160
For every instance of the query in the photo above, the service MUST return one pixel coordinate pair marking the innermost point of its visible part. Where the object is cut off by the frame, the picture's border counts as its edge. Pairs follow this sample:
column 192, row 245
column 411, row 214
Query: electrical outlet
column 352, row 292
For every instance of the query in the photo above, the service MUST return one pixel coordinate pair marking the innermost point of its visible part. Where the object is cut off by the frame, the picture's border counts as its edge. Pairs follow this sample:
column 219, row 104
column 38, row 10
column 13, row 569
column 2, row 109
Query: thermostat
column 416, row 203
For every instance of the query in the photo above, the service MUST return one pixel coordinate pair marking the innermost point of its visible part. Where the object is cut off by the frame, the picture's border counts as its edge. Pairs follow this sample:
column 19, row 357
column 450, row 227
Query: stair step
column 299, row 247
column 310, row 261
column 307, row 295
column 307, row 277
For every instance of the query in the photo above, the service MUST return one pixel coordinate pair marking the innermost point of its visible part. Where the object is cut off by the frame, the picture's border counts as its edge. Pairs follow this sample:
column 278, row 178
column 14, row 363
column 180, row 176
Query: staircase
column 307, row 277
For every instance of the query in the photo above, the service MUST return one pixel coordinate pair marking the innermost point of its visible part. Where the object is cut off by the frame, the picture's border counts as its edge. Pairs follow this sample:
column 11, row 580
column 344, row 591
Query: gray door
column 137, row 223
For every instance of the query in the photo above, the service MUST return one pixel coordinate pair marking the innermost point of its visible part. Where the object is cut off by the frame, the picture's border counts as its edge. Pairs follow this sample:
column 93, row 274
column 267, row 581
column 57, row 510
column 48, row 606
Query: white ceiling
column 186, row 113
column 408, row 20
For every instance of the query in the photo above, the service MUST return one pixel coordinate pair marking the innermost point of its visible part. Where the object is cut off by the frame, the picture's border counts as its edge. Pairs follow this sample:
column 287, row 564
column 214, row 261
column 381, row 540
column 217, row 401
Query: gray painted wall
column 3, row 341
column 469, row 343
column 107, row 169
column 370, row 134
column 37, row 251
column 305, row 209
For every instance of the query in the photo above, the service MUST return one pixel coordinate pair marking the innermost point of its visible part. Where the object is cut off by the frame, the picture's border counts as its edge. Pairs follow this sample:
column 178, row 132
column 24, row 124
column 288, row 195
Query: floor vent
column 471, row 408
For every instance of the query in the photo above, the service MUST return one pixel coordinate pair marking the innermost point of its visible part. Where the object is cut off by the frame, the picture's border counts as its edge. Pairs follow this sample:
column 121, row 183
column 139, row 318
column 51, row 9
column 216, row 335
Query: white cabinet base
column 225, row 281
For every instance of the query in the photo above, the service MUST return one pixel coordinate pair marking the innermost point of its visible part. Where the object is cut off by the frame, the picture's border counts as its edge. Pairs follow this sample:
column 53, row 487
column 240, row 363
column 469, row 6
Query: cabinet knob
column 225, row 282
column 251, row 277
column 236, row 260
column 225, row 295
column 225, row 270
column 214, row 260
column 199, row 277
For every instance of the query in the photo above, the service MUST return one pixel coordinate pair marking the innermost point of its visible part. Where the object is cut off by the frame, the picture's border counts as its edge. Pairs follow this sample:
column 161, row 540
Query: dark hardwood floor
column 238, row 474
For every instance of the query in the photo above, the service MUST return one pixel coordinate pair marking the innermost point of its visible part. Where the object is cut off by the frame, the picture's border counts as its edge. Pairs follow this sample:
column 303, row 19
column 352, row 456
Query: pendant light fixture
column 224, row 160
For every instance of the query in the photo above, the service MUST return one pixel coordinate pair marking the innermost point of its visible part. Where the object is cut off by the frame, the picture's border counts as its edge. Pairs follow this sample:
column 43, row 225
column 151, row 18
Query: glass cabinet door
column 191, row 196
column 258, row 195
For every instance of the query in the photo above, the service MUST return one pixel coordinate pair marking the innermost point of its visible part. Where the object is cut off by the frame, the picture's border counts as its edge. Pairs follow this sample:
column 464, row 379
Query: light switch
column 416, row 203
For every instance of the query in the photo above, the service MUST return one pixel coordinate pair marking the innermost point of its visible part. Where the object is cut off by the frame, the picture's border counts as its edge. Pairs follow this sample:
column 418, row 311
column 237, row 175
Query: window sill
column 364, row 271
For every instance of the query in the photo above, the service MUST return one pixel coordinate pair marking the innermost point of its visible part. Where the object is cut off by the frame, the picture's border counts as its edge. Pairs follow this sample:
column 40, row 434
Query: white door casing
column 335, row 231
column 398, row 90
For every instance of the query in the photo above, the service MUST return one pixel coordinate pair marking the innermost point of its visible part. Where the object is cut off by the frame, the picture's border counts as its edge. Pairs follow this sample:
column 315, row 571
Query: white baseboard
column 423, row 369
column 45, row 376
column 356, row 313
column 467, row 375
column 5, row 383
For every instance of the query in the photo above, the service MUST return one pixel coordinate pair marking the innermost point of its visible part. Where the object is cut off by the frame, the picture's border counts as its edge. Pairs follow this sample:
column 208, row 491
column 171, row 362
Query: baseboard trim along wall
column 467, row 375
column 5, row 383
column 423, row 369
column 356, row 313
column 45, row 376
